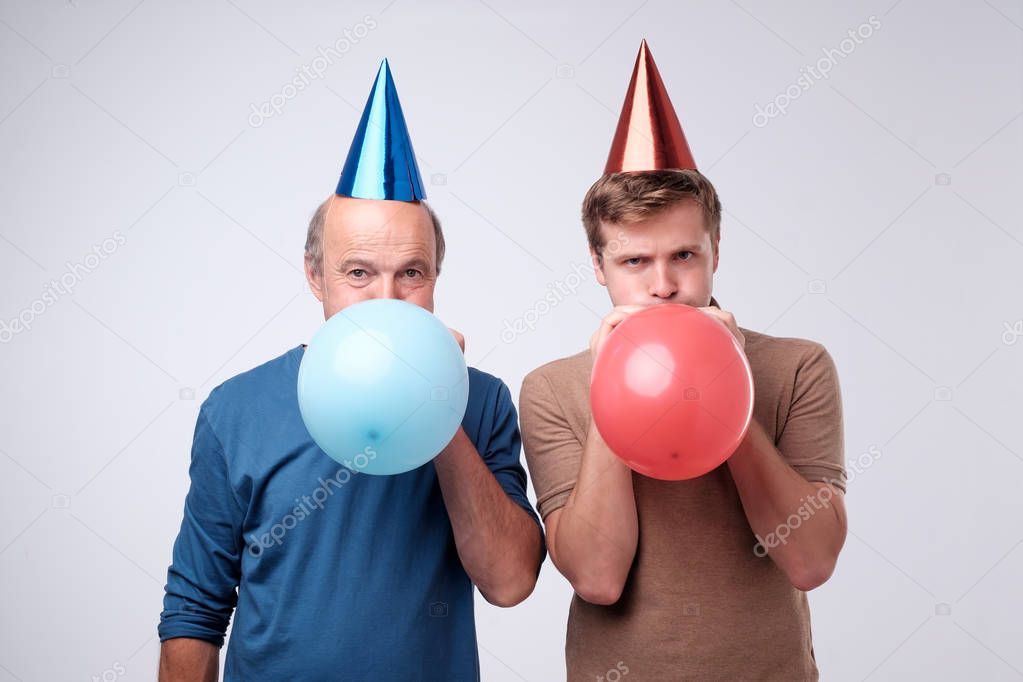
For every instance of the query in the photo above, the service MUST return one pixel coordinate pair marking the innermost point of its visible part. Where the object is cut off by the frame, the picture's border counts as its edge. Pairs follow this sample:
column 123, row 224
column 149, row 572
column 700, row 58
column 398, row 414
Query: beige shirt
column 699, row 603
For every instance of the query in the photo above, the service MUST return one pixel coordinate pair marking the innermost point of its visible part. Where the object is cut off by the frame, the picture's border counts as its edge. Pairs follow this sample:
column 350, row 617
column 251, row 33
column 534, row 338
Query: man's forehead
column 377, row 220
column 383, row 258
column 655, row 232
column 370, row 247
column 380, row 234
column 348, row 206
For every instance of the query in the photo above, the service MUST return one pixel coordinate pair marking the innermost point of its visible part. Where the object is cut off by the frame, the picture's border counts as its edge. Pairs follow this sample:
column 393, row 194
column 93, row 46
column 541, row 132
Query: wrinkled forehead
column 380, row 228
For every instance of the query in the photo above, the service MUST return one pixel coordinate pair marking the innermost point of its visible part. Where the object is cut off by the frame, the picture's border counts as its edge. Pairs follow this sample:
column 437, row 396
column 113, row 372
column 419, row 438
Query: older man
column 342, row 575
column 671, row 582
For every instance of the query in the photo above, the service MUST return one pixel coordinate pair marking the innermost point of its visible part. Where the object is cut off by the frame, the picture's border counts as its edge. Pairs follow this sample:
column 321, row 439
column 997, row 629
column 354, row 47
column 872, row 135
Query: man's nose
column 388, row 288
column 663, row 284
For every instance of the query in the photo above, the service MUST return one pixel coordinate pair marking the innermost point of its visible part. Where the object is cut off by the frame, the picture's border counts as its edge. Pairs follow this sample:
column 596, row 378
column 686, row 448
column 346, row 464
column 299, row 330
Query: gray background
column 879, row 215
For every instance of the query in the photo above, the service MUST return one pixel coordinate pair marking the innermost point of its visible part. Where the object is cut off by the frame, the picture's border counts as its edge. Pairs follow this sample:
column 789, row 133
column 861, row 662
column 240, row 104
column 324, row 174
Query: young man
column 703, row 578
column 342, row 575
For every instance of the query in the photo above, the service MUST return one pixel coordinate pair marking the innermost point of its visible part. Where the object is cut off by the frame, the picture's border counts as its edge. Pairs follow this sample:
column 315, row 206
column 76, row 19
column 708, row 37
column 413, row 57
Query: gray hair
column 314, row 237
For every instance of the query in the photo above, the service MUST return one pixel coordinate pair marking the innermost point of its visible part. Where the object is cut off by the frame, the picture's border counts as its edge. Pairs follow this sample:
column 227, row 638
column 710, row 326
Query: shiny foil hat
column 649, row 136
column 381, row 163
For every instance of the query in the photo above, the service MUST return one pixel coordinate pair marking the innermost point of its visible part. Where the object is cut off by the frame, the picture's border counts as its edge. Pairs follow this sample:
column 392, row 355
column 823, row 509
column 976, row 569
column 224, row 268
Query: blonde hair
column 634, row 196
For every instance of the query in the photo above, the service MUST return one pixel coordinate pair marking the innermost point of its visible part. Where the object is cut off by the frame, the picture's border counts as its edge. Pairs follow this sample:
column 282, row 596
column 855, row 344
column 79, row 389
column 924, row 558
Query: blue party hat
column 381, row 163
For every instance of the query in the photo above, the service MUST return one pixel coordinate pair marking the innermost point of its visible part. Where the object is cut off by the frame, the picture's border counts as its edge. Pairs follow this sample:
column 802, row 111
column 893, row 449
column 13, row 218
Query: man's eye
column 412, row 273
column 685, row 255
column 357, row 273
column 633, row 261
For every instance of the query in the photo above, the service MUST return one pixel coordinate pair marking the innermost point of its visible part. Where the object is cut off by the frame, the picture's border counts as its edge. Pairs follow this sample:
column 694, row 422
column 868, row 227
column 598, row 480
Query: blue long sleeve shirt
column 331, row 574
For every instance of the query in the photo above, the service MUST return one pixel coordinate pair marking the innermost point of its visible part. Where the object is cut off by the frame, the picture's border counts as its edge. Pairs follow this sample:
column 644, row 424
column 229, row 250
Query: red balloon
column 671, row 392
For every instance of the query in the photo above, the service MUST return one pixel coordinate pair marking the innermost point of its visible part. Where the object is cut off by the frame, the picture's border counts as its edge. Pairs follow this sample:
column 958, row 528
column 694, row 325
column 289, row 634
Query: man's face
column 667, row 258
column 375, row 249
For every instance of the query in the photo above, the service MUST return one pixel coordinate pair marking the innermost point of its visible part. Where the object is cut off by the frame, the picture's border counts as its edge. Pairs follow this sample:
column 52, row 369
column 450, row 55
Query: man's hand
column 610, row 321
column 458, row 337
column 726, row 318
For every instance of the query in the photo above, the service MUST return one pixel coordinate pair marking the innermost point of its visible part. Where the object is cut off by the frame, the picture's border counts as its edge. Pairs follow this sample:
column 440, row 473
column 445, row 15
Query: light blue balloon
column 383, row 386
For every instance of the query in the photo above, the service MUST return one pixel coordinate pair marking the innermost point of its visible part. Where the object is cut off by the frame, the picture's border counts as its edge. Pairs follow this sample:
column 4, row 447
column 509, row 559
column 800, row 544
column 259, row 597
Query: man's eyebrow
column 626, row 255
column 366, row 264
column 688, row 247
column 354, row 261
column 416, row 261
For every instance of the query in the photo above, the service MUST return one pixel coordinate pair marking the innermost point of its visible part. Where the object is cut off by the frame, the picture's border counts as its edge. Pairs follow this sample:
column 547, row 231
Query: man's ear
column 315, row 282
column 717, row 251
column 598, row 267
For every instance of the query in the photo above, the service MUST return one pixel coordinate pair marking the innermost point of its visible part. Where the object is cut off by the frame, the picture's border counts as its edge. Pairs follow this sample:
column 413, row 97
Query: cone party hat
column 381, row 163
column 649, row 135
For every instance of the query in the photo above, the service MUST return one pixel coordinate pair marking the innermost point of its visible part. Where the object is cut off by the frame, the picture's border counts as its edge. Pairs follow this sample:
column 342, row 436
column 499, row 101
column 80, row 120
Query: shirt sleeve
column 503, row 454
column 553, row 452
column 812, row 440
column 201, row 582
